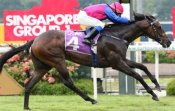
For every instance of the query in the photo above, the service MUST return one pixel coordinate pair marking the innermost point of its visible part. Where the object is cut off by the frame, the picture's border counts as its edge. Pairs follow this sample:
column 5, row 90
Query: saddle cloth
column 73, row 42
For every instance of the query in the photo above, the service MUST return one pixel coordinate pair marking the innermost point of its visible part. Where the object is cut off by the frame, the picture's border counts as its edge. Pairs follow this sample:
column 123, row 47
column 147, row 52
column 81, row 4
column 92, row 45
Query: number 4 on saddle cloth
column 73, row 42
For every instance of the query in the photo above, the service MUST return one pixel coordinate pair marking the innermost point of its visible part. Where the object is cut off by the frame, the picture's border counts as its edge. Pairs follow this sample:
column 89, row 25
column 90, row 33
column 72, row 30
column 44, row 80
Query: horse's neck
column 132, row 35
column 128, row 32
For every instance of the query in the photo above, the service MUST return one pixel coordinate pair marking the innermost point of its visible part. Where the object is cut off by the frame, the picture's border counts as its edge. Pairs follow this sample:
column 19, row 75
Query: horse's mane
column 117, row 28
column 137, row 17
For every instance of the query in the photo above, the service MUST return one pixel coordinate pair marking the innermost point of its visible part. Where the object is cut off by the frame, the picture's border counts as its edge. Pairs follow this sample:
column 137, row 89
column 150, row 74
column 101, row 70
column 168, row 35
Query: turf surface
column 75, row 103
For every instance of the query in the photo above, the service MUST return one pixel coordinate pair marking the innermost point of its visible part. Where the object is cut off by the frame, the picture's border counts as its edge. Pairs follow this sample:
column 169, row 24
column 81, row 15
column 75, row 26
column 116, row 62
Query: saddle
column 73, row 42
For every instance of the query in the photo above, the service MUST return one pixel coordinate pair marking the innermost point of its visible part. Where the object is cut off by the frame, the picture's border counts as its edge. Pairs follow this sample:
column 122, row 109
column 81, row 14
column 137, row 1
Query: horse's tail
column 12, row 52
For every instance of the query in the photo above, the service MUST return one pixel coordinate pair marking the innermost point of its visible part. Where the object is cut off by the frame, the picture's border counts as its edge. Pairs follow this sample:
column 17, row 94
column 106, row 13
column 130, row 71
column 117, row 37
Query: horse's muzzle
column 166, row 44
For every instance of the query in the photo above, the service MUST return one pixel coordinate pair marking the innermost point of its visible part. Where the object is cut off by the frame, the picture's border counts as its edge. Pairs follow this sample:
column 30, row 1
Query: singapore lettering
column 32, row 25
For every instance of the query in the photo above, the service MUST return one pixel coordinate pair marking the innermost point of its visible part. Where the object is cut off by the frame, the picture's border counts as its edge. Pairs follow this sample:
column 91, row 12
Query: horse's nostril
column 168, row 43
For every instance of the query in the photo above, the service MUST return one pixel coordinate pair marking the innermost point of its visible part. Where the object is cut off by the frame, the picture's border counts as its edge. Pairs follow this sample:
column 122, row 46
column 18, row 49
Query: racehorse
column 48, row 51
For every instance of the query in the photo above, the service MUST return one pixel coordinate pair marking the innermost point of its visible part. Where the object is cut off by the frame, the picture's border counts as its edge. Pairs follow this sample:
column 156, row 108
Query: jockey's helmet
column 117, row 7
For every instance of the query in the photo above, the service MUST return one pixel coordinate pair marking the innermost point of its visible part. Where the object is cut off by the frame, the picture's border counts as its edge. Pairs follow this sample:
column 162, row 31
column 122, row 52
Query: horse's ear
column 139, row 16
column 150, row 17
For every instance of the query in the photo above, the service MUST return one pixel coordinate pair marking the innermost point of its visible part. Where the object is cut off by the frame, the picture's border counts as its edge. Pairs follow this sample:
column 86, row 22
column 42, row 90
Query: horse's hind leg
column 64, row 75
column 133, row 64
column 40, row 70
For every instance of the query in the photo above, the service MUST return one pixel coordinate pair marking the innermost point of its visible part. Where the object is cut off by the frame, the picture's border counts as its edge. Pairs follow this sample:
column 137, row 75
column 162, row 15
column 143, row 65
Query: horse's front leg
column 133, row 64
column 123, row 67
column 118, row 63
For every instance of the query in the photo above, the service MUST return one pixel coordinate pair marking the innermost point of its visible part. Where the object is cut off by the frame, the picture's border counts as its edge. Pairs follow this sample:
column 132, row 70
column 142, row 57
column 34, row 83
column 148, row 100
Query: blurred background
column 160, row 9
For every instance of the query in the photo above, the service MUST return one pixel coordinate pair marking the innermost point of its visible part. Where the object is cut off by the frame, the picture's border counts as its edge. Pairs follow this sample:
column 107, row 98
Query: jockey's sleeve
column 113, row 17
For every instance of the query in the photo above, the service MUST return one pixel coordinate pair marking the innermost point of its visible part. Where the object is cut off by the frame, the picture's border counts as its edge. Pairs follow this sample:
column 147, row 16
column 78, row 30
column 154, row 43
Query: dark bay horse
column 48, row 51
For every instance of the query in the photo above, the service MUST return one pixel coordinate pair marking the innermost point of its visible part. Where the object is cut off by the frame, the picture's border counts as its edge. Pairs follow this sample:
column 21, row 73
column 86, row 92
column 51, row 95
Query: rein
column 114, row 37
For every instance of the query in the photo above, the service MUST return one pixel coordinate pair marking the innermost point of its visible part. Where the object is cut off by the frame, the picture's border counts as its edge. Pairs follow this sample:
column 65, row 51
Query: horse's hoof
column 27, row 109
column 94, row 102
column 155, row 98
column 158, row 88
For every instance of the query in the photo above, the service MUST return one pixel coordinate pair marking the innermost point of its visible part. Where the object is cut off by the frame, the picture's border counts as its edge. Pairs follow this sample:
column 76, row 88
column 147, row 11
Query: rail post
column 127, row 83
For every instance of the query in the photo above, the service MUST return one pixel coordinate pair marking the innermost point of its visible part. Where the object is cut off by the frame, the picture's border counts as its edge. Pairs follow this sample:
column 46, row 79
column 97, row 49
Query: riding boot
column 88, row 39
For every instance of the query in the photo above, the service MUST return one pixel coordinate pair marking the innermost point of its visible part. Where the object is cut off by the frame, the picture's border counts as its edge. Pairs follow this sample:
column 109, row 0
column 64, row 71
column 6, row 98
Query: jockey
column 94, row 14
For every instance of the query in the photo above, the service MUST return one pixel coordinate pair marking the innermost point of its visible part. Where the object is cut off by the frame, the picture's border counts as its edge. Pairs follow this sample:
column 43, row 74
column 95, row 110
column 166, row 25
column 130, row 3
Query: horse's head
column 151, row 27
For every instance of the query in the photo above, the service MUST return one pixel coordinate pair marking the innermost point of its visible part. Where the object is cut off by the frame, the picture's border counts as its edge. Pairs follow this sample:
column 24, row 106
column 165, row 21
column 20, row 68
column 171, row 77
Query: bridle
column 157, row 34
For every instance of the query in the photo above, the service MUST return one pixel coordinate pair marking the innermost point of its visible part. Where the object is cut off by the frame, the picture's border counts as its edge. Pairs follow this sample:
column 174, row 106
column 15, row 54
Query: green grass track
column 75, row 103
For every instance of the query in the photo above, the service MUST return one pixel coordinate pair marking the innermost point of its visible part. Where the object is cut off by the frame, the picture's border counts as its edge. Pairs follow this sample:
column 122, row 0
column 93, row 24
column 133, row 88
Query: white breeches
column 86, row 20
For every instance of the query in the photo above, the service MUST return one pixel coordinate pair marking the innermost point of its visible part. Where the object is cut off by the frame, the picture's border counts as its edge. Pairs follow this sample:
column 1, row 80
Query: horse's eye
column 159, row 28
